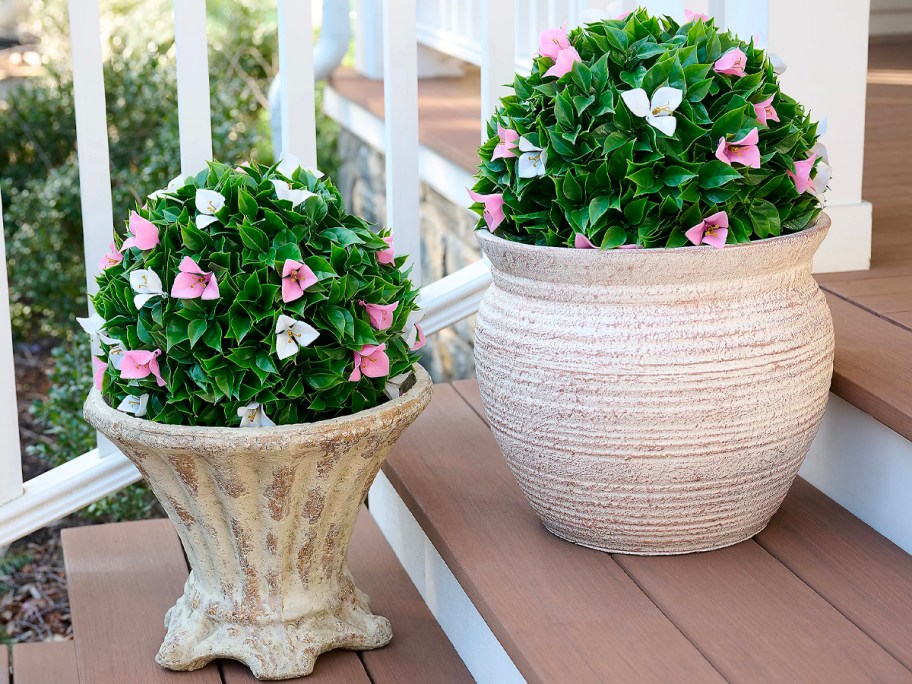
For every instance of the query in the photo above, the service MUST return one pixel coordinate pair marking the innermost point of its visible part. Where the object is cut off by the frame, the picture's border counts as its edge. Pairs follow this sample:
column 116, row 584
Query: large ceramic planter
column 265, row 516
column 655, row 401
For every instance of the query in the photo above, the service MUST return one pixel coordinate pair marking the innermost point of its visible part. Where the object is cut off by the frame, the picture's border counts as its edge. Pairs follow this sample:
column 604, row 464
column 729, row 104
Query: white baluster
column 192, row 84
column 10, row 457
column 498, row 54
column 400, row 97
column 296, row 81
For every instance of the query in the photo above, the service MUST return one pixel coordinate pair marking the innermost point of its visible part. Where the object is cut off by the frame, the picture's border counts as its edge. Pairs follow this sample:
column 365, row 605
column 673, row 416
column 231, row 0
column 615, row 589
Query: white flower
column 821, row 179
column 115, row 352
column 614, row 10
column 134, row 405
column 253, row 415
column 146, row 284
column 208, row 203
column 174, row 184
column 92, row 325
column 393, row 386
column 290, row 163
column 532, row 161
column 291, row 335
column 285, row 192
column 410, row 331
column 659, row 112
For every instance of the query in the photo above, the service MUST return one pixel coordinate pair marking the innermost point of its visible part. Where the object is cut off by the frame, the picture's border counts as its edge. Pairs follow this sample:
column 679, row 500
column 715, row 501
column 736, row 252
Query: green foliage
column 68, row 435
column 618, row 180
column 220, row 355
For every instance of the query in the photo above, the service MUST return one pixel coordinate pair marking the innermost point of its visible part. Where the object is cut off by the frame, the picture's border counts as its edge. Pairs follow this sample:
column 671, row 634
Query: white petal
column 821, row 151
column 146, row 281
column 209, row 201
column 526, row 146
column 823, row 126
column 285, row 345
column 284, row 323
column 822, row 178
column 779, row 66
column 250, row 415
column 282, row 189
column 316, row 173
column 410, row 335
column 590, row 16
column 204, row 220
column 92, row 325
column 304, row 334
column 637, row 101
column 667, row 97
column 115, row 355
column 300, row 195
column 666, row 124
column 178, row 182
column 134, row 405
column 531, row 164
column 289, row 164
column 264, row 420
column 139, row 301
column 393, row 385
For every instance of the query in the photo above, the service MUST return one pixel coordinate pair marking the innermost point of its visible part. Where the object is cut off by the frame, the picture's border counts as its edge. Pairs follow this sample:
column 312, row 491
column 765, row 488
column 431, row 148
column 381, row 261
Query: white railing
column 834, row 86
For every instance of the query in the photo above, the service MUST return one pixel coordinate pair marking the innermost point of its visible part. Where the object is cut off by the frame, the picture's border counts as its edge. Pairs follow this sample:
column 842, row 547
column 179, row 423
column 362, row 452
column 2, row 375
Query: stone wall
column 447, row 241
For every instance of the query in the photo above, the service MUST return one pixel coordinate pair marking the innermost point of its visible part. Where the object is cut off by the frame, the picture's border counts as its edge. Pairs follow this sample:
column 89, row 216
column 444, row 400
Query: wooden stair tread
column 569, row 613
column 123, row 577
column 4, row 664
column 49, row 662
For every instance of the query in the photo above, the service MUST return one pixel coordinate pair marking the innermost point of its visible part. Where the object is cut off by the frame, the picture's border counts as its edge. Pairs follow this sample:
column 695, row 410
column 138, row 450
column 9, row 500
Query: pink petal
column 129, row 242
column 695, row 234
column 494, row 213
column 386, row 256
column 153, row 368
column 290, row 265
column 508, row 138
column 764, row 111
column 187, row 286
column 721, row 151
column 719, row 219
column 291, row 290
column 421, row 340
column 748, row 155
column 100, row 368
column 306, row 276
column 564, row 62
column 580, row 241
column 631, row 246
column 731, row 63
column 691, row 15
column 751, row 138
column 144, row 231
column 188, row 265
column 624, row 15
column 135, row 364
column 212, row 289
column 717, row 238
column 356, row 374
column 552, row 41
column 375, row 364
column 381, row 315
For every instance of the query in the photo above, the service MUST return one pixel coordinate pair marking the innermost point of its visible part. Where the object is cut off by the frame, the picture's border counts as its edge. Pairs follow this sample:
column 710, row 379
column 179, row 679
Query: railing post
column 296, row 81
column 833, row 87
column 400, row 97
column 369, row 38
column 10, row 457
column 192, row 84
column 498, row 54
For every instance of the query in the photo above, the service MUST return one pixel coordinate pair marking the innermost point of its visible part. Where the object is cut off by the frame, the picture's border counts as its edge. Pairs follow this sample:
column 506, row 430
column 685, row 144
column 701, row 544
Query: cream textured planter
column 655, row 401
column 265, row 516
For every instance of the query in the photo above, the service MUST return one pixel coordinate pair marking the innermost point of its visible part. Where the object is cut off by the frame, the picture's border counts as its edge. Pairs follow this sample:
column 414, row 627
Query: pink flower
column 193, row 282
column 145, row 233
column 764, row 111
column 386, row 256
column 564, row 62
column 493, row 208
column 552, row 41
column 100, row 368
column 691, row 15
column 381, row 315
column 421, row 339
column 296, row 277
column 624, row 15
column 802, row 174
column 504, row 148
column 744, row 151
column 713, row 230
column 136, row 365
column 111, row 258
column 580, row 241
column 731, row 63
column 372, row 361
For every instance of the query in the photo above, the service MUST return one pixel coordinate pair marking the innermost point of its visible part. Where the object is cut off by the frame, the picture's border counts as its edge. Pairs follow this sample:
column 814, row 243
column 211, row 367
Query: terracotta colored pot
column 265, row 516
column 655, row 401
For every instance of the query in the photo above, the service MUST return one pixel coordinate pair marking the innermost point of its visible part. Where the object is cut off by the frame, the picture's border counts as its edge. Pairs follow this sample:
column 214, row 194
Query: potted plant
column 257, row 361
column 654, row 356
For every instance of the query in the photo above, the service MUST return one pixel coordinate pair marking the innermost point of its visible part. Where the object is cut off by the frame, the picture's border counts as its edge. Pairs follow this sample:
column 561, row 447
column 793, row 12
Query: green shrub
column 580, row 155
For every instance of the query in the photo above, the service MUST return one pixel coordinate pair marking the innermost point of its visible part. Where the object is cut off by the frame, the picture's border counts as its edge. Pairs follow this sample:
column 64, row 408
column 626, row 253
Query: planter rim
column 98, row 410
column 821, row 225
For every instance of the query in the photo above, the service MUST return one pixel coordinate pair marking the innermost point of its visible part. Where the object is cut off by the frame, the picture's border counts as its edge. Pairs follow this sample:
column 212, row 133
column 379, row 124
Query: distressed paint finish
column 655, row 401
column 265, row 516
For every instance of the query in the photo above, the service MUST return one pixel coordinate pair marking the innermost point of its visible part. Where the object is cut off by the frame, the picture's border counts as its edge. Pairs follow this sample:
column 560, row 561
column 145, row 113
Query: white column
column 400, row 96
column 825, row 45
column 10, row 457
column 498, row 54
column 192, row 84
column 296, row 81
column 369, row 38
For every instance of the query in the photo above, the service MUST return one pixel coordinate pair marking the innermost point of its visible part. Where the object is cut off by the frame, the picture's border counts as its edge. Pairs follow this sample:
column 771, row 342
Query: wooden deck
column 816, row 597
column 872, row 309
column 123, row 577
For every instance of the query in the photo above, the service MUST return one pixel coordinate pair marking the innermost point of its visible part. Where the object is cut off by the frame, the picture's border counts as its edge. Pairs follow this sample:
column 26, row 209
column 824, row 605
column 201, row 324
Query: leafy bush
column 245, row 292
column 640, row 132
column 68, row 435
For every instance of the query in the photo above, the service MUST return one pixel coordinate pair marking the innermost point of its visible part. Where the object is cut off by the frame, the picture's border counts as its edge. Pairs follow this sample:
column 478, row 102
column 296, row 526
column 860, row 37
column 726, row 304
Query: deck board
column 4, row 664
column 562, row 612
column 122, row 578
column 335, row 667
column 863, row 574
column 50, row 662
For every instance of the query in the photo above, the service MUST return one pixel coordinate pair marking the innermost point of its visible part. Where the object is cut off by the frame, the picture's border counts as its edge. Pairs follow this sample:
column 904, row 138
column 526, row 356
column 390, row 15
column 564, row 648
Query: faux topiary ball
column 247, row 297
column 642, row 132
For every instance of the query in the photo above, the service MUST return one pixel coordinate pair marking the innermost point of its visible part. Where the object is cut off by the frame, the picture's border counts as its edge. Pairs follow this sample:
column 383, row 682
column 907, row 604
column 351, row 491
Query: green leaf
column 615, row 236
column 715, row 174
column 247, row 204
column 571, row 188
column 196, row 330
column 253, row 238
column 635, row 210
column 674, row 176
column 342, row 236
column 240, row 325
column 563, row 110
column 613, row 141
column 764, row 218
column 598, row 208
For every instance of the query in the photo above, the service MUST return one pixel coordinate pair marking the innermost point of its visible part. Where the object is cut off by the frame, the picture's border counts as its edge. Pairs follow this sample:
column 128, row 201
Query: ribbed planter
column 265, row 516
column 655, row 401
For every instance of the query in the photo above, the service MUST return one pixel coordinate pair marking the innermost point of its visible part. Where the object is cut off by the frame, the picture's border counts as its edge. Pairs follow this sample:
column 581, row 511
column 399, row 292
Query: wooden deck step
column 50, row 662
column 819, row 597
column 123, row 577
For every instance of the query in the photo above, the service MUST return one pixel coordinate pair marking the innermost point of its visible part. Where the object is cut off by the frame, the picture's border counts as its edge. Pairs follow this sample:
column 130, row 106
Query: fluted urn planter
column 655, row 401
column 265, row 516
